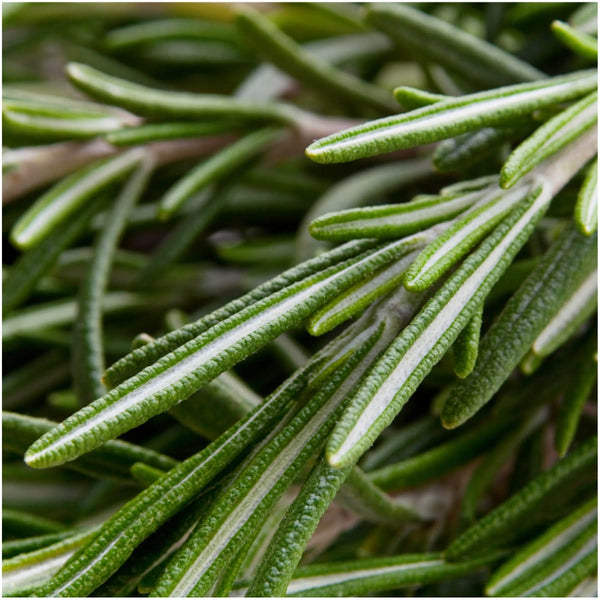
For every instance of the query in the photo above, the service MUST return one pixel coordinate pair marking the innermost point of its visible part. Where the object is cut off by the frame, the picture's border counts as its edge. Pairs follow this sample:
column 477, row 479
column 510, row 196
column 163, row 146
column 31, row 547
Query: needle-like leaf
column 547, row 556
column 33, row 264
column 438, row 460
column 491, row 464
column 423, row 343
column 179, row 105
column 240, row 509
column 153, row 132
column 580, row 42
column 140, row 517
column 56, row 128
column 185, row 370
column 67, row 196
column 586, row 209
column 584, row 376
column 488, row 531
column 570, row 316
column 138, row 34
column 462, row 235
column 215, row 168
column 449, row 118
column 391, row 220
column 88, row 349
column 113, row 460
column 24, row 574
column 290, row 57
column 553, row 135
column 466, row 346
column 571, row 258
column 371, row 575
column 440, row 42
column 472, row 148
column 357, row 190
column 149, row 353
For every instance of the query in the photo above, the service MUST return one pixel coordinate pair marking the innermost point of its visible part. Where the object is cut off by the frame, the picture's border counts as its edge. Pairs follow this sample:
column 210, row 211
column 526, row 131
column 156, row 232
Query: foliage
column 362, row 378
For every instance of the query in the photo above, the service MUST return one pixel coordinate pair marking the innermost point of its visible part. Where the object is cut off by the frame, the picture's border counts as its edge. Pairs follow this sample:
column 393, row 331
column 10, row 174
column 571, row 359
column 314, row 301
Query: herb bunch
column 300, row 300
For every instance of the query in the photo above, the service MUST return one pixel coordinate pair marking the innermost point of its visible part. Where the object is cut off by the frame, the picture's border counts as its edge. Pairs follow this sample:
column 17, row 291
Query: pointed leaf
column 449, row 118
column 501, row 521
column 140, row 517
column 462, row 235
column 536, row 564
column 580, row 42
column 215, row 168
column 466, row 346
column 441, row 43
column 67, row 196
column 423, row 343
column 553, row 135
column 390, row 220
column 586, row 209
column 88, row 348
column 148, row 354
column 368, row 576
column 561, row 270
column 178, row 105
column 185, row 370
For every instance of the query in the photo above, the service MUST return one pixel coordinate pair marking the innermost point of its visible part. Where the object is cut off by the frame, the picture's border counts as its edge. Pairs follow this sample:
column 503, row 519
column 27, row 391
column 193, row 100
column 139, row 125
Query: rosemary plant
column 233, row 367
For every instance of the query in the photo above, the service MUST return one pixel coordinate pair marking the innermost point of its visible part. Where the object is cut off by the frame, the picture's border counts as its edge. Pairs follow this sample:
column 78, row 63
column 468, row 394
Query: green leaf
column 440, row 459
column 580, row 42
column 140, row 517
column 148, row 354
column 269, row 41
column 66, row 197
column 391, row 220
column 463, row 234
column 185, row 370
column 261, row 480
column 178, row 240
column 217, row 406
column 215, row 168
column 178, row 105
column 297, row 527
column 88, row 348
column 583, row 378
column 553, row 135
column 357, row 190
column 17, row 522
column 488, row 469
column 369, row 576
column 586, row 209
column 354, row 300
column 33, row 264
column 449, row 118
column 153, row 132
column 569, row 317
column 36, row 542
column 545, row 558
column 38, row 317
column 55, row 128
column 366, row 499
column 469, row 149
column 434, row 40
column 553, row 280
column 410, row 98
column 112, row 460
column 22, row 574
column 139, row 34
column 423, row 343
column 466, row 346
column 501, row 521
